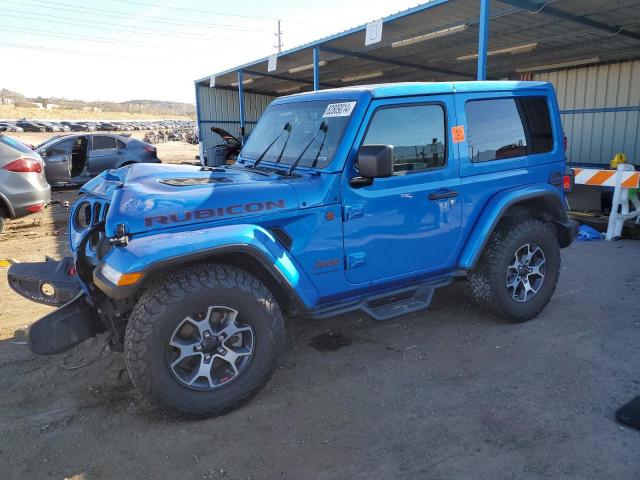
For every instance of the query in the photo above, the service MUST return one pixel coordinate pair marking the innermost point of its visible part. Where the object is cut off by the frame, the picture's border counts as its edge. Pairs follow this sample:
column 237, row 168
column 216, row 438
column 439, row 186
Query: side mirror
column 374, row 161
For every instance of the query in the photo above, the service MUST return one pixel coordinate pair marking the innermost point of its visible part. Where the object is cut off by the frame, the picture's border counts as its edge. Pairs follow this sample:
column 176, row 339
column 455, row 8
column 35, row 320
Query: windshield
column 48, row 140
column 304, row 120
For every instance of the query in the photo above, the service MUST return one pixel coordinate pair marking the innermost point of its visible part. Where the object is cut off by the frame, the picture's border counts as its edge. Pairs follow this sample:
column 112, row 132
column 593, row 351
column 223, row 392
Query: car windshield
column 285, row 130
column 48, row 140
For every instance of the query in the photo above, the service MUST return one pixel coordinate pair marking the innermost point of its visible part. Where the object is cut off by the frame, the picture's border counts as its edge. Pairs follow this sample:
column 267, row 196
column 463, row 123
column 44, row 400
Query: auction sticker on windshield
column 343, row 109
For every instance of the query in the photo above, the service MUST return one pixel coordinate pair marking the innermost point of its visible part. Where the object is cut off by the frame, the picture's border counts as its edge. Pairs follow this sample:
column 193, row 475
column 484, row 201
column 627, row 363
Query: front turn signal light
column 120, row 279
column 129, row 279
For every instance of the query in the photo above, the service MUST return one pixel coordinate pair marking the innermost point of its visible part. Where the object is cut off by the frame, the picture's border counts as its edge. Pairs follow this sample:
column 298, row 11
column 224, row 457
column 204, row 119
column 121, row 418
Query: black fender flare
column 555, row 212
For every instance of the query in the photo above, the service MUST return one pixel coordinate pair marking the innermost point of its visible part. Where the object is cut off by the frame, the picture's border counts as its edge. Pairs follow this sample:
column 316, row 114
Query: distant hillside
column 158, row 108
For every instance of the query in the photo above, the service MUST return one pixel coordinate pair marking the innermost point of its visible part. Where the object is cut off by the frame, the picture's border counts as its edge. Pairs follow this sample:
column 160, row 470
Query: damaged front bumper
column 51, row 282
column 54, row 283
column 68, row 326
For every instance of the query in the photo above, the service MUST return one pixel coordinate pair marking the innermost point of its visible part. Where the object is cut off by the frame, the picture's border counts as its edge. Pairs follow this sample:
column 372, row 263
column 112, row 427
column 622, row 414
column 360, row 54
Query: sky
column 120, row 50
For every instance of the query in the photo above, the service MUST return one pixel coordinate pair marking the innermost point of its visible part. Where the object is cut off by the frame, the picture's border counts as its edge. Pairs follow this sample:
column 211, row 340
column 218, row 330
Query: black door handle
column 442, row 194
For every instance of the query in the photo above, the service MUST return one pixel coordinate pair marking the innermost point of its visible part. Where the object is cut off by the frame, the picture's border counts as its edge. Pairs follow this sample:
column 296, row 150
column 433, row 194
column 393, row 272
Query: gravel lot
column 449, row 393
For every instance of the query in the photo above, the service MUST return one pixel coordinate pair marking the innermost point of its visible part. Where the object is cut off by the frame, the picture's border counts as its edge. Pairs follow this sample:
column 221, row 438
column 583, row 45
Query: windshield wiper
column 323, row 129
column 285, row 143
column 287, row 128
column 324, row 138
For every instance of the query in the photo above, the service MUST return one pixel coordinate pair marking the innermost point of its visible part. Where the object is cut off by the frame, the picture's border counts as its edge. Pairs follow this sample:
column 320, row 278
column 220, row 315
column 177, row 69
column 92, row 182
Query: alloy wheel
column 525, row 274
column 209, row 349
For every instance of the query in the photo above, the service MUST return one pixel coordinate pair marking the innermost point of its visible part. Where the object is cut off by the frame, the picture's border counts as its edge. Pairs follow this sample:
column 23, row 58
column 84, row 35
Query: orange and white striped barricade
column 622, row 179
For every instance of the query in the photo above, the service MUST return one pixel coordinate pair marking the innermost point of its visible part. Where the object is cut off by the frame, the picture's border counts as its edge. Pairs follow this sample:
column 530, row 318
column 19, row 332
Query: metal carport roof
column 439, row 41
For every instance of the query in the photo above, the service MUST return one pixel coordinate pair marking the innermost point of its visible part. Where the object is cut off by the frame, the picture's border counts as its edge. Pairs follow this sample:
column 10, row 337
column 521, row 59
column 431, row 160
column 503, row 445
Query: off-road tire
column 487, row 281
column 2, row 220
column 165, row 304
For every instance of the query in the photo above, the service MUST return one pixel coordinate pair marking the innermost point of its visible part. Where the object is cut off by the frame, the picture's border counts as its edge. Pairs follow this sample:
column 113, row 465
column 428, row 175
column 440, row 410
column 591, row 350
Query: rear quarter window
column 501, row 128
column 101, row 142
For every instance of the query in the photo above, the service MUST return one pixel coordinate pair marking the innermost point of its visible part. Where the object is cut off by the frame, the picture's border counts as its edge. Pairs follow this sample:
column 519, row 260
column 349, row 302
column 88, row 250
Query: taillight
column 24, row 165
column 35, row 207
column 568, row 180
column 150, row 149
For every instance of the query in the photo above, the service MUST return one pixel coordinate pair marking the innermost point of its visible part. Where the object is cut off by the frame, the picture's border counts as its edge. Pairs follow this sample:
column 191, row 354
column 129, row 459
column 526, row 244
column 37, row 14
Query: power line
column 22, row 46
column 120, row 27
column 109, row 13
column 198, row 11
column 33, row 31
column 211, row 12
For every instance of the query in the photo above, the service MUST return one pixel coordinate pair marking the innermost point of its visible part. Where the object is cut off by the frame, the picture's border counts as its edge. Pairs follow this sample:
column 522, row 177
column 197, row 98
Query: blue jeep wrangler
column 365, row 198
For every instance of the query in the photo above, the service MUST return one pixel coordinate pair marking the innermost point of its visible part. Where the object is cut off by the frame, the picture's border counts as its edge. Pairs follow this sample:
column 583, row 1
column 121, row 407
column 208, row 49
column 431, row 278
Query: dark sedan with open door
column 74, row 159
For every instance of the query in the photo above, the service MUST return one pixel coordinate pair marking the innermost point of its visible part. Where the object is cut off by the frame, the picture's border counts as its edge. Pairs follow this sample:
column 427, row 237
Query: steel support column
column 241, row 102
column 199, row 125
column 316, row 68
column 483, row 39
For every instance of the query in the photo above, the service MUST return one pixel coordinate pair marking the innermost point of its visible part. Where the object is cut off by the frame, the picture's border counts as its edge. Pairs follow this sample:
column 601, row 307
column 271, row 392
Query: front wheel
column 518, row 271
column 203, row 340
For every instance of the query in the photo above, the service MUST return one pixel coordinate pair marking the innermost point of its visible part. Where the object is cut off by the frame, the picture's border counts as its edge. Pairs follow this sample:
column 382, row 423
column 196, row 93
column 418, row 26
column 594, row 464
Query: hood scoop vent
column 192, row 181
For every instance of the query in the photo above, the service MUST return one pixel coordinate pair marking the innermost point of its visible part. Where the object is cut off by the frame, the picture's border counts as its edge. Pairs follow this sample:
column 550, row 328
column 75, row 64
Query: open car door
column 57, row 161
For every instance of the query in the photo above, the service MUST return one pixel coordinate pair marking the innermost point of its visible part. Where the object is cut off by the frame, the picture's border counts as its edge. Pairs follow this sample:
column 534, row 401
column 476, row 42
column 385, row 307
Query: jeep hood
column 147, row 197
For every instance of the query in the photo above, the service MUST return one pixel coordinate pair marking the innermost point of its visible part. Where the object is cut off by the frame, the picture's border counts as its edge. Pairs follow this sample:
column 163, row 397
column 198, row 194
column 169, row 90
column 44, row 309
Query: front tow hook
column 51, row 283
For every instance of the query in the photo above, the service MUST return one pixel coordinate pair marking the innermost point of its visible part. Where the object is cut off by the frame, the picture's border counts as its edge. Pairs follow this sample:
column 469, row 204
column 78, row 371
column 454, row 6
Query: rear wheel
column 204, row 340
column 2, row 220
column 518, row 271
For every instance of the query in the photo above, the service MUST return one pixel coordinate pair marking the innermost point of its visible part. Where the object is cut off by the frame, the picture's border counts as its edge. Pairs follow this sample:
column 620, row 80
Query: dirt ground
column 450, row 393
column 45, row 233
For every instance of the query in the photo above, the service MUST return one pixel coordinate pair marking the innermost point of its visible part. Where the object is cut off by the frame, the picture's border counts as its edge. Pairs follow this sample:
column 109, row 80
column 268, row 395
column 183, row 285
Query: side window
column 508, row 127
column 61, row 148
column 417, row 133
column 120, row 144
column 535, row 114
column 101, row 142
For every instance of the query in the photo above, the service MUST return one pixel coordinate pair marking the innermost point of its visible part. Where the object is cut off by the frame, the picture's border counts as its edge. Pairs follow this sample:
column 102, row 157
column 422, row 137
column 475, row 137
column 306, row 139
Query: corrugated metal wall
column 220, row 108
column 602, row 110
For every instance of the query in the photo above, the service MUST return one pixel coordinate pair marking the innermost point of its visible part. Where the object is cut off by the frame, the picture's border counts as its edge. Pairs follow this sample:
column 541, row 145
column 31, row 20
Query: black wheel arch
column 244, row 257
column 5, row 207
column 547, row 208
column 544, row 206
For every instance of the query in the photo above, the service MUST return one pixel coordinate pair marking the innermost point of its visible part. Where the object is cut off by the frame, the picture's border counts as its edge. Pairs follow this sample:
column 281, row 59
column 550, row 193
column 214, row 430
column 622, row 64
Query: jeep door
column 512, row 139
column 105, row 153
column 409, row 223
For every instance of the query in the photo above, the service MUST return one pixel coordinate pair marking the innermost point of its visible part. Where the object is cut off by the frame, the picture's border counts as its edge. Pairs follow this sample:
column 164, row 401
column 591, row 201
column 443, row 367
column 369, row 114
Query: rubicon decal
column 218, row 212
column 326, row 264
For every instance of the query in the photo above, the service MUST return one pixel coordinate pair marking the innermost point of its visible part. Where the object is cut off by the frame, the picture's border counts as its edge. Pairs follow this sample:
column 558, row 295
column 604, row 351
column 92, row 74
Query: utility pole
column 279, row 35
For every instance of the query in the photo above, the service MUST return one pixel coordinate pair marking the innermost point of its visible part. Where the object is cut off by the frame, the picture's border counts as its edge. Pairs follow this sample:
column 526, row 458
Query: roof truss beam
column 555, row 12
column 287, row 78
column 397, row 63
